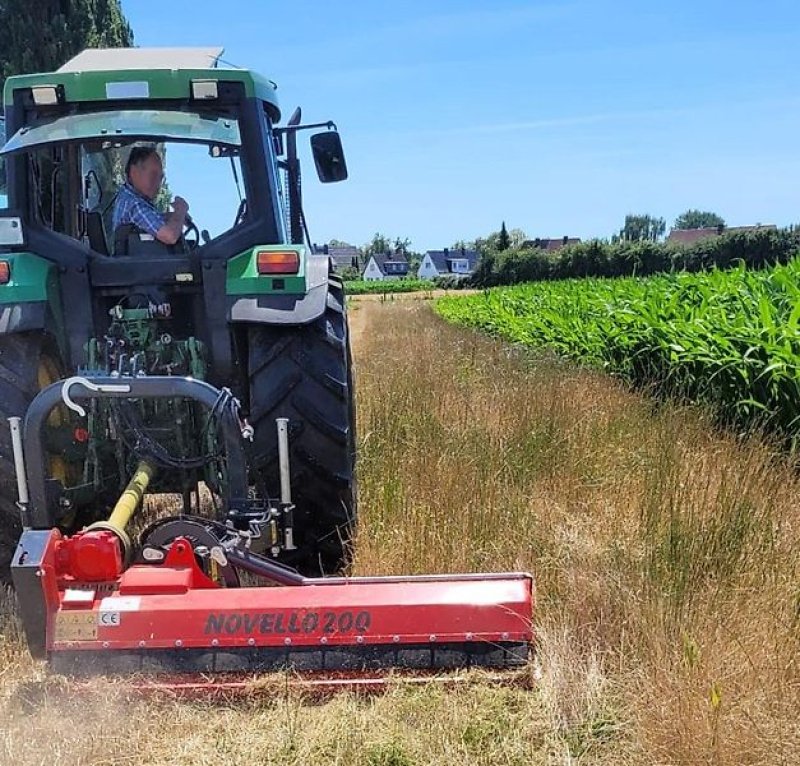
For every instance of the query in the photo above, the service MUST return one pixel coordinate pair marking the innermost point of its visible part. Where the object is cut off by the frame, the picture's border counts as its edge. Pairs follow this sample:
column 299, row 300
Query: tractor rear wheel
column 27, row 364
column 304, row 374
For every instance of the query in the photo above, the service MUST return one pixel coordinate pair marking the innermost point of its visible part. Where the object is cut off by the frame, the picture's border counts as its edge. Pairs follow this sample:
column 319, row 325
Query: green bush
column 596, row 258
column 451, row 283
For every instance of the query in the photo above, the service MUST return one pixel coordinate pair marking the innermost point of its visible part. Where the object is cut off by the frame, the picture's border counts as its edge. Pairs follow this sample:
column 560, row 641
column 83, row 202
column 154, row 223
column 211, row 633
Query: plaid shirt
column 135, row 208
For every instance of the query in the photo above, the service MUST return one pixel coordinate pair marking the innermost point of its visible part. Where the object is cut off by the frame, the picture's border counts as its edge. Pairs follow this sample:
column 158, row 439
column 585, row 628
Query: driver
column 134, row 204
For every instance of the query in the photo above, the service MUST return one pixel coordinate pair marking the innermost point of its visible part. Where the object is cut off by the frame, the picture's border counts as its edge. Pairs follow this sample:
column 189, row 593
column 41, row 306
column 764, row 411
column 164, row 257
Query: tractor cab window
column 76, row 170
column 209, row 179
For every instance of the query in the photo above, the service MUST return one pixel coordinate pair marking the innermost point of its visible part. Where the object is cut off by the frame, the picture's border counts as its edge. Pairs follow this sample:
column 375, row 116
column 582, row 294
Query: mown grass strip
column 370, row 287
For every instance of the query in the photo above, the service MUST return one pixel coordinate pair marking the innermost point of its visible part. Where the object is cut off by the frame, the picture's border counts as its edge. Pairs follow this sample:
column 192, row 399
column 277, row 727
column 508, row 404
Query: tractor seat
column 129, row 240
column 96, row 232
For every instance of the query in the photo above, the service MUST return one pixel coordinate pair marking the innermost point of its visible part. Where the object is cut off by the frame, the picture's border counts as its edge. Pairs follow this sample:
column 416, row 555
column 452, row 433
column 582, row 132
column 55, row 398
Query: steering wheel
column 190, row 229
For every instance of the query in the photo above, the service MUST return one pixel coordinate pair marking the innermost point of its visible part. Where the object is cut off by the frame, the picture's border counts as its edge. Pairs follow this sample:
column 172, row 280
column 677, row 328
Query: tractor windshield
column 127, row 124
column 211, row 184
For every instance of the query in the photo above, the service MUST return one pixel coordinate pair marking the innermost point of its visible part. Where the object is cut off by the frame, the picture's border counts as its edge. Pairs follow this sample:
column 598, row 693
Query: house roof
column 381, row 259
column 349, row 251
column 345, row 256
column 689, row 236
column 440, row 258
column 550, row 244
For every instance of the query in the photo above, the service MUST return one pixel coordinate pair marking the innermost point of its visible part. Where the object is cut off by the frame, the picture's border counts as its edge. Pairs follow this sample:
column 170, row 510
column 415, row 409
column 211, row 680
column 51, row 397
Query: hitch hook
column 122, row 388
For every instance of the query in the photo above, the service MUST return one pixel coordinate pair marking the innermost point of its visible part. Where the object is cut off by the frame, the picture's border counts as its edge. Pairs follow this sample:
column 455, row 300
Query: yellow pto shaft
column 129, row 501
column 126, row 506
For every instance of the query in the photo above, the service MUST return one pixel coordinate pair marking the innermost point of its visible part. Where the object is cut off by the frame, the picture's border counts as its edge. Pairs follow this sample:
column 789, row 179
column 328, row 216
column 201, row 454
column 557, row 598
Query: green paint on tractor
column 162, row 83
column 242, row 277
column 31, row 279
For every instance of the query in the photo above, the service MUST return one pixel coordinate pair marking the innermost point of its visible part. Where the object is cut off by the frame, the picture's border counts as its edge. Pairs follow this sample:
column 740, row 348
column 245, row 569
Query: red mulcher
column 179, row 607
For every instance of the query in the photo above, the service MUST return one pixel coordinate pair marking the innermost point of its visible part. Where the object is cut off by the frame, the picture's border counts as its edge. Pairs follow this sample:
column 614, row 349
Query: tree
column 516, row 237
column 466, row 244
column 402, row 245
column 698, row 219
column 41, row 36
column 503, row 240
column 380, row 243
column 640, row 228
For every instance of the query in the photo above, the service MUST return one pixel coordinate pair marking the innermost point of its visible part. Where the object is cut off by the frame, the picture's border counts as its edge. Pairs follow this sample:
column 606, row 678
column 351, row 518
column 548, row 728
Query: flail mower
column 134, row 365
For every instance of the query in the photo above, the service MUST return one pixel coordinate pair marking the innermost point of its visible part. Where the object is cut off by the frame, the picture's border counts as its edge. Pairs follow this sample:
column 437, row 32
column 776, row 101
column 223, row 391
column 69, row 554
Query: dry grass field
column 667, row 565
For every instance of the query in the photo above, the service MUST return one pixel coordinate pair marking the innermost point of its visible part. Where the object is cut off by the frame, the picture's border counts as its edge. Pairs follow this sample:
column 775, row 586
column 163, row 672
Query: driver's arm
column 172, row 228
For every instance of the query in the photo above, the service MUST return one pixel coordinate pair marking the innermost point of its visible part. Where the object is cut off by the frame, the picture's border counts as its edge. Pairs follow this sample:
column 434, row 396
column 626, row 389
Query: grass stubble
column 665, row 556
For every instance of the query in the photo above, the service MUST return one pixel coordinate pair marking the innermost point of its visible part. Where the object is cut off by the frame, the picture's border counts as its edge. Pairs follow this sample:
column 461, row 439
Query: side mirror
column 329, row 156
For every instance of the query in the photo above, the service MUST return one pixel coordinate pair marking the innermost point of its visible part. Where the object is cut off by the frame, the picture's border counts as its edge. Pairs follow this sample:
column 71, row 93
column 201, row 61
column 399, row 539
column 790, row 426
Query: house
column 690, row 236
column 448, row 263
column 550, row 245
column 343, row 256
column 386, row 266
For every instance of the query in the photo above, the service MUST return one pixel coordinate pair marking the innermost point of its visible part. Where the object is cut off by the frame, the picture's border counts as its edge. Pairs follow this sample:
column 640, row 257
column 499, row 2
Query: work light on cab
column 277, row 261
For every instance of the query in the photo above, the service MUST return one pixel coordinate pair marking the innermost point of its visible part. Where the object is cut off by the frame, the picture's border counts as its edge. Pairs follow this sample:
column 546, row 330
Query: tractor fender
column 243, row 307
column 31, row 299
column 278, row 308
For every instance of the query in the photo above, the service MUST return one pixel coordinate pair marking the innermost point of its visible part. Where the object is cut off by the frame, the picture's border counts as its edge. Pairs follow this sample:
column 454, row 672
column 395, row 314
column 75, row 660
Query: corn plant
column 730, row 339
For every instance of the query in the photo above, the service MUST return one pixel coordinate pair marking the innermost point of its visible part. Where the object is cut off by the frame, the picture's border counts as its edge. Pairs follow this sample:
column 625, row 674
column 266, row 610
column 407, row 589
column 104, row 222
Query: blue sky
column 558, row 117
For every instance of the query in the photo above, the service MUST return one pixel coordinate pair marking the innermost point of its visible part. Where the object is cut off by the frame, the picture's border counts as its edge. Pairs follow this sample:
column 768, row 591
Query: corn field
column 725, row 338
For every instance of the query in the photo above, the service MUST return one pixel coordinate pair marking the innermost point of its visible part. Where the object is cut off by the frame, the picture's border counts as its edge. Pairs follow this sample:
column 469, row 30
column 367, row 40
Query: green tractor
column 171, row 358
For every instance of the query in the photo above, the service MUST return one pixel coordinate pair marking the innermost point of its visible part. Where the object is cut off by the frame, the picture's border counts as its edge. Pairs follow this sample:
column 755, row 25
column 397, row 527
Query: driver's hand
column 180, row 206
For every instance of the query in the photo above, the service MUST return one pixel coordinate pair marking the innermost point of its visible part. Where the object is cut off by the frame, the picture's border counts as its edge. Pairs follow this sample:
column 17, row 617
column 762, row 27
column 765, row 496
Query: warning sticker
column 79, row 595
column 120, row 604
column 75, row 626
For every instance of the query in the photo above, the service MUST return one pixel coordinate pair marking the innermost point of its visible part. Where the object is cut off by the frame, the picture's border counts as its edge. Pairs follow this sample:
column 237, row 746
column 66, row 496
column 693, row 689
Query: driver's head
column 144, row 171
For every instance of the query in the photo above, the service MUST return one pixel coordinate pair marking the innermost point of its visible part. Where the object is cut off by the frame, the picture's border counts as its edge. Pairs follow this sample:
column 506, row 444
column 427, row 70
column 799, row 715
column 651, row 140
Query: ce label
column 108, row 619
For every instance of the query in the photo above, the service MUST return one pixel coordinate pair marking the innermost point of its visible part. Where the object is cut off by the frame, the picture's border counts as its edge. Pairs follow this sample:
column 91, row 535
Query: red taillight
column 5, row 272
column 278, row 261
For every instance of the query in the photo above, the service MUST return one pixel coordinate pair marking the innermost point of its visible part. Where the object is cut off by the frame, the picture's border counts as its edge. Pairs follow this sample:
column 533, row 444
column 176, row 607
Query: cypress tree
column 503, row 241
column 40, row 36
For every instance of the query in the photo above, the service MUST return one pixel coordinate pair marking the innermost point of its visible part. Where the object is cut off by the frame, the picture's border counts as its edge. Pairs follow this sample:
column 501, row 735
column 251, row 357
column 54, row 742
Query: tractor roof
column 115, row 59
column 105, row 74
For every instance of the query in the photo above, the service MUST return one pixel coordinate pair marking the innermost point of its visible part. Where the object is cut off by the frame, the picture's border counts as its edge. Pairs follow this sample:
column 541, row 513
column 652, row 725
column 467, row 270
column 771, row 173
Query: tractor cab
column 70, row 133
column 215, row 130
